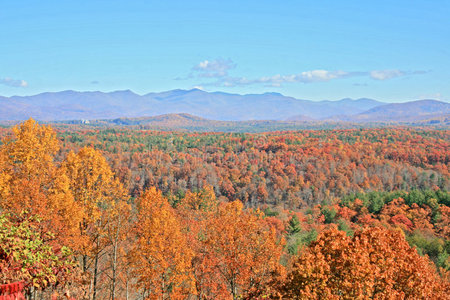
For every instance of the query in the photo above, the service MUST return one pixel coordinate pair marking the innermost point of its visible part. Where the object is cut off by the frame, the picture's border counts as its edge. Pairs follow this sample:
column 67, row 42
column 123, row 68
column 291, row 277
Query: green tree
column 26, row 254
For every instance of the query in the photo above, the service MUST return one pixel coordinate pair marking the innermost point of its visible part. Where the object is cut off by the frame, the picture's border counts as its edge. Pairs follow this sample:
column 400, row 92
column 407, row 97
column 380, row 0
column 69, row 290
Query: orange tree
column 242, row 248
column 30, row 181
column 196, row 209
column 375, row 263
column 100, row 196
column 236, row 251
column 160, row 257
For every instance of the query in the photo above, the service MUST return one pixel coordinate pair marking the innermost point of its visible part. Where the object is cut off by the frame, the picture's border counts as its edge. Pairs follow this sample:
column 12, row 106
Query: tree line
column 74, row 221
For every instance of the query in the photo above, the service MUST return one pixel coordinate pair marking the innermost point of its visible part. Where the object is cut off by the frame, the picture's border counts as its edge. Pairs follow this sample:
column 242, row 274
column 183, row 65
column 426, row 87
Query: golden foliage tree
column 161, row 257
column 100, row 195
column 242, row 249
column 30, row 181
column 116, row 236
column 375, row 263
column 196, row 210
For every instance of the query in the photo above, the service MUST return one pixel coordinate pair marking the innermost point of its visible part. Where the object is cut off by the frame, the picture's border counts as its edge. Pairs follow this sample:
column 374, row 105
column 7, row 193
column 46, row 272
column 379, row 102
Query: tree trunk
column 234, row 289
column 114, row 267
column 94, row 288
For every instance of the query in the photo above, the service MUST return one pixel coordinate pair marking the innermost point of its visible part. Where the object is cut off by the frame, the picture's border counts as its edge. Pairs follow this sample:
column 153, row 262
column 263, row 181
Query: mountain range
column 73, row 105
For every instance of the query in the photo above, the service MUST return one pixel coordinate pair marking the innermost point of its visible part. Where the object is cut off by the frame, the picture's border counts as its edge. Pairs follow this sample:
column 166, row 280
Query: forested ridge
column 313, row 214
column 295, row 169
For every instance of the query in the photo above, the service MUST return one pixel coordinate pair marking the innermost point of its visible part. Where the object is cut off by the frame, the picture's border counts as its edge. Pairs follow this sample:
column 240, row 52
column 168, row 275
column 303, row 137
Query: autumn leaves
column 375, row 263
column 68, row 223
column 199, row 247
column 78, row 200
column 204, row 248
column 160, row 257
column 236, row 250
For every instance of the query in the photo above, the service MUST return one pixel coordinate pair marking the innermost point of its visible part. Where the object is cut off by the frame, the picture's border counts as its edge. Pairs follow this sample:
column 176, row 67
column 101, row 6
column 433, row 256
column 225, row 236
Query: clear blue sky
column 387, row 50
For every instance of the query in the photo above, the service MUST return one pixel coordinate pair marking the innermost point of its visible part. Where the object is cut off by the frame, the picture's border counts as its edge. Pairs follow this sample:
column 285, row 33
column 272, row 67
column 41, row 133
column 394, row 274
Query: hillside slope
column 403, row 112
column 72, row 105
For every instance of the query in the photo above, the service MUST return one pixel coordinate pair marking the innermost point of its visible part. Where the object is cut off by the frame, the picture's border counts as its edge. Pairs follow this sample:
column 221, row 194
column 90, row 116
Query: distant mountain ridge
column 73, row 105
column 406, row 112
column 188, row 122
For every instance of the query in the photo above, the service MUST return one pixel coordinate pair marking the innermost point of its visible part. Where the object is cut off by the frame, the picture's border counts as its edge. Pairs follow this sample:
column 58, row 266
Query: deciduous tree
column 375, row 263
column 160, row 257
column 30, row 181
column 98, row 193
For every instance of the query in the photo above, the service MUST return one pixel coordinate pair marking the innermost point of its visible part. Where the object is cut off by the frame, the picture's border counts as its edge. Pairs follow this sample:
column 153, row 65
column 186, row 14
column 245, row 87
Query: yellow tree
column 243, row 249
column 30, row 181
column 375, row 263
column 202, row 201
column 160, row 258
column 116, row 236
column 195, row 210
column 98, row 193
column 236, row 251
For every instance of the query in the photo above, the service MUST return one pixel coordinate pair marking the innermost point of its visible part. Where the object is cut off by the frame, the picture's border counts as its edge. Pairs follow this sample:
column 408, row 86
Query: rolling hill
column 403, row 112
column 72, row 105
column 220, row 106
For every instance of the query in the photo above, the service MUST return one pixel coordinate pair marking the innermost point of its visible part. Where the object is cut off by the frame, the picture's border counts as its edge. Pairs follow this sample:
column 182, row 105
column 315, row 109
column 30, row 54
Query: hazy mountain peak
column 127, row 92
column 274, row 94
column 407, row 111
column 73, row 105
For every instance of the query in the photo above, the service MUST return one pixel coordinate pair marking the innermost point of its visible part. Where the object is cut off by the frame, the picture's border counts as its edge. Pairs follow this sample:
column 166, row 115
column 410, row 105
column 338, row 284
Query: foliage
column 26, row 254
column 160, row 257
column 296, row 169
column 245, row 249
column 375, row 263
column 175, row 215
column 30, row 181
column 94, row 189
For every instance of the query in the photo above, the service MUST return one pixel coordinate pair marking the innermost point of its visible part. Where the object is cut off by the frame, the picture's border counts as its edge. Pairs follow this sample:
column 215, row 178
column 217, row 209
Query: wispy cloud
column 321, row 75
column 307, row 77
column 217, row 71
column 279, row 80
column 13, row 82
column 385, row 74
column 214, row 68
column 389, row 74
column 311, row 77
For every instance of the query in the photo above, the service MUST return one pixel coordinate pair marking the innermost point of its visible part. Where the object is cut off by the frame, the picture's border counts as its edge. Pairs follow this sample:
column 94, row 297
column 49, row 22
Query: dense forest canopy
column 126, row 213
column 293, row 169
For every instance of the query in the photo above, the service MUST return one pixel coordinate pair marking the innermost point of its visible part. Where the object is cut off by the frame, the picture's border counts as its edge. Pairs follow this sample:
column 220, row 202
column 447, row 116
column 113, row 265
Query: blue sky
column 386, row 50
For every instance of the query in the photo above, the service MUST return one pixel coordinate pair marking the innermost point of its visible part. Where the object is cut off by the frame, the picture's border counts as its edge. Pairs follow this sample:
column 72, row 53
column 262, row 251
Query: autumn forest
column 128, row 213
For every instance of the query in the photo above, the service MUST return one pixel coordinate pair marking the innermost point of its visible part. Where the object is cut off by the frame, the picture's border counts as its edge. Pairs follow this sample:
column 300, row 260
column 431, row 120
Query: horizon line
column 214, row 92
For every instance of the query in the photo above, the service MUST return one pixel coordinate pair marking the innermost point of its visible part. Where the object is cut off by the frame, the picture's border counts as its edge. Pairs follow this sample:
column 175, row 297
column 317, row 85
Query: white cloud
column 13, row 82
column 311, row 77
column 386, row 74
column 306, row 77
column 218, row 70
column 214, row 68
column 320, row 75
column 278, row 80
